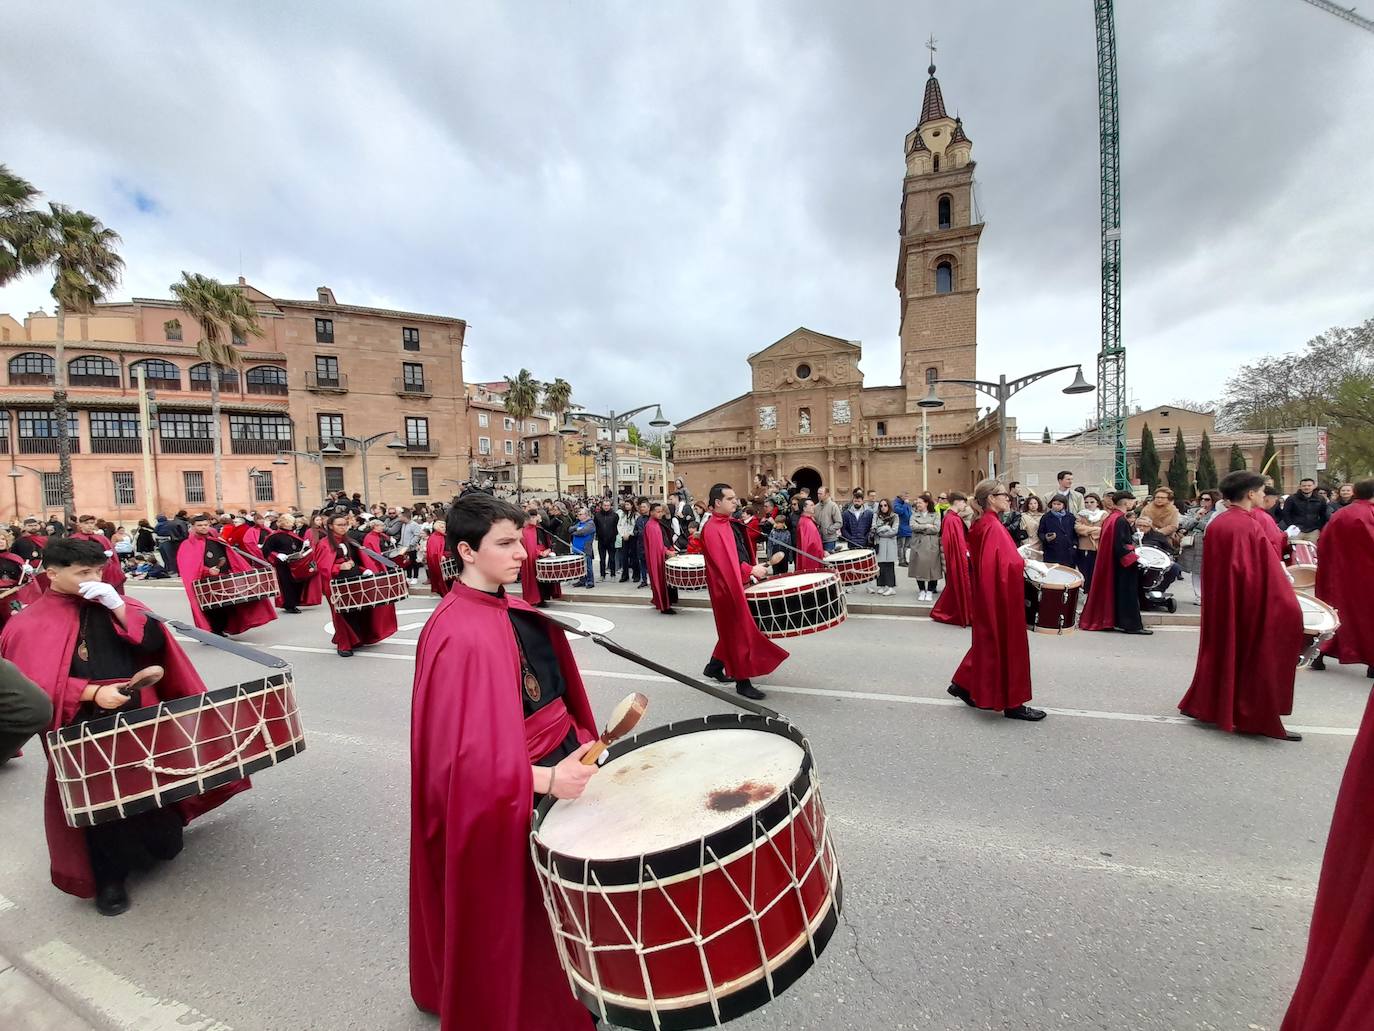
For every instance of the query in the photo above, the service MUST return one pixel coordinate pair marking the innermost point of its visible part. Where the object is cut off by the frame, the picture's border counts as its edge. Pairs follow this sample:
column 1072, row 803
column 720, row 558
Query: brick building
column 320, row 373
column 808, row 415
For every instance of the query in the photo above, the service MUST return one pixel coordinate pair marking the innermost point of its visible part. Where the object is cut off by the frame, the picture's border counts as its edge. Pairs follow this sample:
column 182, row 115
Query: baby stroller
column 1157, row 571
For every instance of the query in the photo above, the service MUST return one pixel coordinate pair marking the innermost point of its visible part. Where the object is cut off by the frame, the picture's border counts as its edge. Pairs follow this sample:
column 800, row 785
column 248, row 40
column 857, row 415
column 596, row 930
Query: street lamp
column 381, row 491
column 318, row 458
column 1001, row 392
column 16, row 473
column 364, row 444
column 612, row 421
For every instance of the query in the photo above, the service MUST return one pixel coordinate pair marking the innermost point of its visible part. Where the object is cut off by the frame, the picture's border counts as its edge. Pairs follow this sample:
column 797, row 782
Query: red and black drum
column 214, row 592
column 131, row 762
column 796, row 604
column 560, row 569
column 694, row 881
column 687, row 572
column 1052, row 597
column 1302, row 553
column 855, row 566
column 301, row 565
column 367, row 592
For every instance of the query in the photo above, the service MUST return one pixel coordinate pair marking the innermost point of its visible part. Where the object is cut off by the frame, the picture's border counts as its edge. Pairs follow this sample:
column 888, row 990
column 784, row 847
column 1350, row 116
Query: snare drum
column 301, row 565
column 1320, row 623
column 1304, row 579
column 213, row 592
column 1052, row 598
column 1154, row 566
column 694, row 881
column 1303, row 553
column 131, row 762
column 797, row 604
column 687, row 572
column 448, row 568
column 1031, row 550
column 560, row 569
column 856, row 566
column 367, row 592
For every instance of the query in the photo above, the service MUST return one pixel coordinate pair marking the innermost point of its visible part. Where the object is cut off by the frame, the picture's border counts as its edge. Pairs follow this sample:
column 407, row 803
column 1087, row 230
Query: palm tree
column 522, row 398
column 79, row 251
column 217, row 307
column 16, row 223
column 557, row 400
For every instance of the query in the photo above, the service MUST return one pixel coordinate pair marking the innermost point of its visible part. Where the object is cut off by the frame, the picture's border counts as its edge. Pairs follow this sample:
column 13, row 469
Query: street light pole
column 611, row 421
column 364, row 444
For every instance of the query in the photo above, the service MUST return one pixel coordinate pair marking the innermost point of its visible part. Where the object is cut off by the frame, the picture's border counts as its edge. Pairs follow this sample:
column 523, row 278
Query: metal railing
column 185, row 445
column 116, row 446
column 255, row 446
column 31, row 379
column 345, row 447
column 427, row 448
column 277, row 389
column 407, row 388
column 79, row 380
column 46, row 445
column 314, row 381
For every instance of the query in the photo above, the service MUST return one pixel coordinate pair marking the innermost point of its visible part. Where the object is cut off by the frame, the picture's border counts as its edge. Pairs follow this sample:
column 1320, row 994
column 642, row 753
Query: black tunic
column 538, row 650
column 10, row 570
column 27, row 548
column 281, row 542
column 1127, row 579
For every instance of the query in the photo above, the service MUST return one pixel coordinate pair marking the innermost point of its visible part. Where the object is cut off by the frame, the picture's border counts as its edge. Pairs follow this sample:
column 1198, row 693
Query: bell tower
column 937, row 260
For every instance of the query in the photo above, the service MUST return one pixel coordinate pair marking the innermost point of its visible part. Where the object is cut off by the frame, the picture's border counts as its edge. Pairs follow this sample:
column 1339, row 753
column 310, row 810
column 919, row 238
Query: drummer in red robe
column 1114, row 597
column 202, row 555
column 995, row 674
column 481, row 951
column 1344, row 575
column 955, row 602
column 434, row 560
column 741, row 652
column 86, row 531
column 277, row 547
column 1252, row 634
column 535, row 540
column 810, row 550
column 658, row 546
column 83, row 643
column 339, row 557
column 30, row 543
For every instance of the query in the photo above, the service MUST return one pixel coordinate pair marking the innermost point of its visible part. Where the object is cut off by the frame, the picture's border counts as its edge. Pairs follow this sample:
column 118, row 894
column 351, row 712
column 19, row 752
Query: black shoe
column 294, row 611
column 1291, row 736
column 715, row 671
column 1369, row 672
column 345, row 653
column 640, row 587
column 111, row 899
column 963, row 696
column 748, row 690
column 625, row 578
column 1024, row 712
column 1318, row 664
column 1139, row 631
column 670, row 611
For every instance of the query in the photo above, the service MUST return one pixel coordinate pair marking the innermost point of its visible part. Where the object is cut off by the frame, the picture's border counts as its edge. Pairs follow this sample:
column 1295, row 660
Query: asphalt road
column 1111, row 867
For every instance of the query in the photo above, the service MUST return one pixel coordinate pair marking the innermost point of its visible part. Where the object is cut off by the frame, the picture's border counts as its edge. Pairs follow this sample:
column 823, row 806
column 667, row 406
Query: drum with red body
column 1052, row 597
column 687, row 572
column 1320, row 623
column 694, row 881
column 213, row 592
column 367, row 592
column 855, row 566
column 1304, row 579
column 560, row 569
column 301, row 565
column 128, row 763
column 1302, row 553
column 796, row 604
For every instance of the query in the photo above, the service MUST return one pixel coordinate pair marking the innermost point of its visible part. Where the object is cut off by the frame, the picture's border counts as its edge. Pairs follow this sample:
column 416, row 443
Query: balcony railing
column 225, row 385
column 246, row 446
column 79, row 380
column 116, row 446
column 5, row 445
column 345, row 447
column 156, row 384
column 337, row 384
column 407, row 388
column 31, row 379
column 277, row 389
column 415, row 448
column 46, row 445
column 186, row 445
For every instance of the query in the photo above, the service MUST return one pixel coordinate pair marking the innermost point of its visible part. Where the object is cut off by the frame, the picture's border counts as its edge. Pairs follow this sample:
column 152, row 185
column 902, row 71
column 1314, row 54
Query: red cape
column 434, row 558
column 1277, row 539
column 996, row 670
column 529, row 574
column 191, row 567
column 113, row 573
column 252, row 538
column 481, row 951
column 40, row 640
column 1345, row 572
column 954, row 604
column 740, row 645
column 379, row 621
column 1336, row 990
column 312, row 590
column 1099, row 611
column 1252, row 635
column 655, row 558
column 809, row 541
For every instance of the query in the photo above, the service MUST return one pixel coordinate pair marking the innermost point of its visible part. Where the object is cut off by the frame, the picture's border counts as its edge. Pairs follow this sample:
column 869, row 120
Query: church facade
column 809, row 417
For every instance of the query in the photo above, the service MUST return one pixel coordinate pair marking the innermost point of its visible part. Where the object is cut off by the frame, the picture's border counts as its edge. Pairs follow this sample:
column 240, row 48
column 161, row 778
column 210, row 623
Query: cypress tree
column 1147, row 470
column 1206, row 466
column 1179, row 479
column 1269, row 466
column 1238, row 461
column 1045, row 437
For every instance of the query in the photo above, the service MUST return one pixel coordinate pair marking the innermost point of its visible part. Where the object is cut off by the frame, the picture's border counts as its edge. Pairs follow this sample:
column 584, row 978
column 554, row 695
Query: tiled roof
column 934, row 104
column 958, row 135
column 75, row 348
column 359, row 310
column 917, row 144
column 164, row 402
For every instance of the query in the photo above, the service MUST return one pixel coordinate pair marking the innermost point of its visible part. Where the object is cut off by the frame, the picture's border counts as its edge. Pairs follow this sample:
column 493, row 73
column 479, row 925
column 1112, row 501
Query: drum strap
column 243, row 651
column 682, row 678
column 380, row 558
column 249, row 556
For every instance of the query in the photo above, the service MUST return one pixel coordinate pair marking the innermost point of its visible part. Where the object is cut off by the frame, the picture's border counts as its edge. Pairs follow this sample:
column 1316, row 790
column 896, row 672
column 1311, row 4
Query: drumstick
column 146, row 677
column 244, row 651
column 795, row 551
column 622, row 720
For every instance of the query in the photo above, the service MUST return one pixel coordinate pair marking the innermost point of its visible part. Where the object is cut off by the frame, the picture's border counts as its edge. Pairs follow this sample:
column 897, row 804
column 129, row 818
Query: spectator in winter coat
column 828, row 519
column 1305, row 510
column 901, row 505
column 1058, row 538
column 856, row 523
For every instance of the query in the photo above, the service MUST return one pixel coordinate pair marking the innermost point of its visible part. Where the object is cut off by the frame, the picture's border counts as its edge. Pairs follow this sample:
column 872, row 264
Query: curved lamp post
column 613, row 421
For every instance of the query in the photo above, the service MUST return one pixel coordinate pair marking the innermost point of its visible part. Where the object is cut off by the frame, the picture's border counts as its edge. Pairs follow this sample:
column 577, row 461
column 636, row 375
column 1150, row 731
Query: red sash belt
column 546, row 729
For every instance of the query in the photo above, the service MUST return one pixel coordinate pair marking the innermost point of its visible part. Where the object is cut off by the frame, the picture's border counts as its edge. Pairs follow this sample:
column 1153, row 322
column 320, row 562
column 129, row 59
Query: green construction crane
column 1111, row 359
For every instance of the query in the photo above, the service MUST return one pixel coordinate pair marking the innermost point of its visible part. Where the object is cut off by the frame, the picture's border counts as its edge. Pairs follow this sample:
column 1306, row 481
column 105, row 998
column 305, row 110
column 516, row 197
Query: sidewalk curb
column 26, row 1004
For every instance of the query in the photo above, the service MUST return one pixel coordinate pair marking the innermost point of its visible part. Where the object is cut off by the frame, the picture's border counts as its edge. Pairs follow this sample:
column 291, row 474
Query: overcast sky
column 636, row 196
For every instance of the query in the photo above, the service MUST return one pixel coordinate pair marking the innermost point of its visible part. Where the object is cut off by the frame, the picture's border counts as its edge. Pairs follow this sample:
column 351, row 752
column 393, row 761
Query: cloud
column 635, row 197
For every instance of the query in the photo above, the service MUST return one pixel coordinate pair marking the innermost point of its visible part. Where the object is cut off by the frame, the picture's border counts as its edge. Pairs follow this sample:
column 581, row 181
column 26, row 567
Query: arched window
column 932, row 374
column 944, row 212
column 266, row 379
column 200, row 377
column 159, row 373
column 92, row 371
column 937, row 162
column 31, row 368
column 944, row 278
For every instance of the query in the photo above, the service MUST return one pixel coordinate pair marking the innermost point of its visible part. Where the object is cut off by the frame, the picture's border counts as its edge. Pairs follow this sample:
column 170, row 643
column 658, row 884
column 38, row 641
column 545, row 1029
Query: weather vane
column 930, row 45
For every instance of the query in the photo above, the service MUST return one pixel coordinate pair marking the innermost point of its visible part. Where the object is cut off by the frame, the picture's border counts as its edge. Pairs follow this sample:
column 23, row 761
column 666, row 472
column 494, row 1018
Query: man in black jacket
column 1305, row 510
column 606, row 521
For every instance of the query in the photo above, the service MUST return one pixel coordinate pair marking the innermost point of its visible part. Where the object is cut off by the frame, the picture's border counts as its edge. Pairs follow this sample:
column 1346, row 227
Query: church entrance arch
column 808, row 478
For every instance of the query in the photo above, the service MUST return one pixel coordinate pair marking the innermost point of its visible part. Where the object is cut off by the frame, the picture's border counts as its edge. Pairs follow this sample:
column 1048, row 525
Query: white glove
column 108, row 553
column 279, row 557
column 98, row 590
column 1292, row 532
column 368, row 572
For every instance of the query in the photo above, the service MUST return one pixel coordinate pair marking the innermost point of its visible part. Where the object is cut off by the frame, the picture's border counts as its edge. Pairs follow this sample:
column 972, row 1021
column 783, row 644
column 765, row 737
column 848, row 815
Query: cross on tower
column 930, row 45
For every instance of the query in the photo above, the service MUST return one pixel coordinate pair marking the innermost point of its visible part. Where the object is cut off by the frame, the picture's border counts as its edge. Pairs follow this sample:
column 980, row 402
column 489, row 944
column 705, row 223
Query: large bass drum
column 694, row 880
column 796, row 604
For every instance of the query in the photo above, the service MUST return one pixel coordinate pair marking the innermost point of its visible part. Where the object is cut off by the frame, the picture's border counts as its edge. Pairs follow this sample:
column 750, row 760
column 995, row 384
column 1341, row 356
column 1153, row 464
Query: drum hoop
column 779, row 587
column 851, row 556
column 685, row 857
column 174, row 707
column 1046, row 585
column 1307, row 602
column 687, row 561
column 1145, row 551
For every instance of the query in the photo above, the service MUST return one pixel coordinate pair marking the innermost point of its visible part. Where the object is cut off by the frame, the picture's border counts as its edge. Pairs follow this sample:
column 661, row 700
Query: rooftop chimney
column 325, row 295
column 242, row 281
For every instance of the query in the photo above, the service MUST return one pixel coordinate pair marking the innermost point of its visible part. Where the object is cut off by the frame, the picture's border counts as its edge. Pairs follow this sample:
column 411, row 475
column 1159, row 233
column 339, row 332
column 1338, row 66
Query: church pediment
column 805, row 359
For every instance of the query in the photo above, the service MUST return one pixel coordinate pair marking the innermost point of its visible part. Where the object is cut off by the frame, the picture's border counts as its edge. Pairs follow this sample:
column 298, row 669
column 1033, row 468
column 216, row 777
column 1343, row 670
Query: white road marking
column 115, row 998
column 411, row 626
column 6, row 904
column 333, row 651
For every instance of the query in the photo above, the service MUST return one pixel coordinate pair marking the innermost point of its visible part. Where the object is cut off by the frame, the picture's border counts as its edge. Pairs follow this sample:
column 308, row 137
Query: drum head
column 1054, row 577
column 1317, row 616
column 671, row 792
column 688, row 561
column 1153, row 558
column 852, row 555
column 1303, row 577
column 792, row 583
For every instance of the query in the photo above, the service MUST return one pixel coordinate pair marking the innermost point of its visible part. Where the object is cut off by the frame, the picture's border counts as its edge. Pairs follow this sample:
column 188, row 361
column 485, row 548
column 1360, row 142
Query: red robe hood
column 378, row 622
column 809, row 542
column 655, row 557
column 1099, row 612
column 954, row 606
column 740, row 644
column 191, row 567
column 996, row 669
column 434, row 558
column 1344, row 576
column 529, row 573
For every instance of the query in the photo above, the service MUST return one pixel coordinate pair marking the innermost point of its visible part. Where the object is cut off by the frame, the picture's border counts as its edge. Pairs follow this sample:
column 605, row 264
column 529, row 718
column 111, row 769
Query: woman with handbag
column 1193, row 526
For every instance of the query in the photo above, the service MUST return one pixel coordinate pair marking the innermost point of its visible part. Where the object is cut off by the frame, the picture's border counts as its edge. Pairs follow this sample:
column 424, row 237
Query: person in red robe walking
column 995, row 673
column 1278, row 540
column 810, row 548
column 339, row 557
column 741, row 651
column 1252, row 633
column 499, row 713
column 1336, row 989
column 1114, row 597
column 82, row 643
column 1345, row 573
column 955, row 605
column 534, row 539
column 203, row 555
column 86, row 530
column 434, row 560
column 658, row 545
